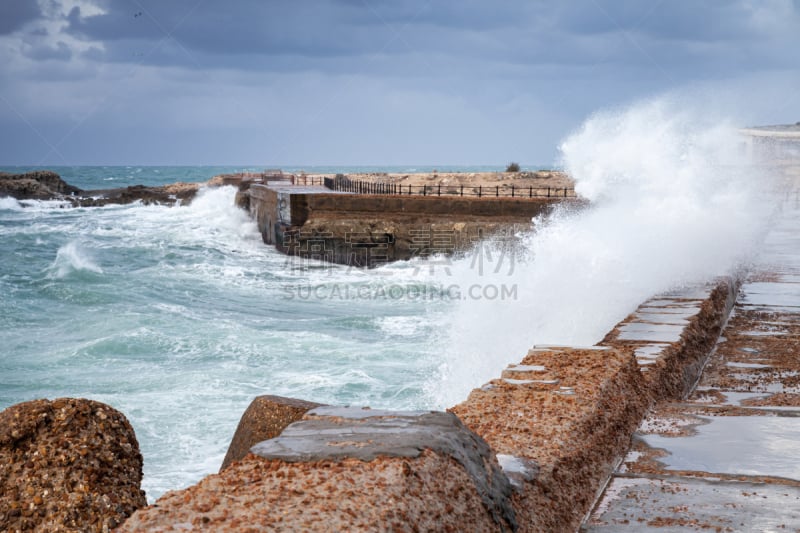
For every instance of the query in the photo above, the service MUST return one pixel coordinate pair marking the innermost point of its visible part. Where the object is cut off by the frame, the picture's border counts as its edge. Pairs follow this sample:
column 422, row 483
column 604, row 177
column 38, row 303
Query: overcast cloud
column 369, row 82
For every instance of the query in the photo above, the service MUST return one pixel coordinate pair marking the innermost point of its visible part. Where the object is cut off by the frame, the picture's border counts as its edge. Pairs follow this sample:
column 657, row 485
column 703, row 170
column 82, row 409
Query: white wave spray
column 10, row 204
column 72, row 257
column 673, row 202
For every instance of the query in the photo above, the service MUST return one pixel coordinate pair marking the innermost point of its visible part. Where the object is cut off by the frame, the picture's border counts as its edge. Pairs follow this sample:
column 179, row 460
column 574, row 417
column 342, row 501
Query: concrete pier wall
column 369, row 230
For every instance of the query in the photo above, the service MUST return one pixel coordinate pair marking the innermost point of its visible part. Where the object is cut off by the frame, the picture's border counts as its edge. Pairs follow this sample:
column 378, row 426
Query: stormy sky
column 369, row 82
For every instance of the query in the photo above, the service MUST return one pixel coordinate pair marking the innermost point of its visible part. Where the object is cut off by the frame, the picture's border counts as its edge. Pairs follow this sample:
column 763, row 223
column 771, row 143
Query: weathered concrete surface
column 692, row 504
column 265, row 418
column 67, row 465
column 344, row 469
column 571, row 411
column 672, row 335
column 570, row 420
column 370, row 230
column 727, row 458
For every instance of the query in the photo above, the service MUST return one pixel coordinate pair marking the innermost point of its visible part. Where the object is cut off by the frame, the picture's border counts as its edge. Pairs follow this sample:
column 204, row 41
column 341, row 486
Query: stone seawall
column 529, row 451
column 369, row 230
column 572, row 410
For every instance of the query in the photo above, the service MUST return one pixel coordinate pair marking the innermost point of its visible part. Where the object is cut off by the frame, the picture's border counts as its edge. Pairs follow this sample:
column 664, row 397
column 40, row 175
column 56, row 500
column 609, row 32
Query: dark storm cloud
column 338, row 35
column 457, row 81
column 60, row 52
column 15, row 13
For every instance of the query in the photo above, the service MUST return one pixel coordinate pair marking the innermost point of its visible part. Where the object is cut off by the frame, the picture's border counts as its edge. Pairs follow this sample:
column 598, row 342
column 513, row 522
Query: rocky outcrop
column 172, row 194
column 47, row 185
column 265, row 418
column 38, row 185
column 349, row 469
column 67, row 465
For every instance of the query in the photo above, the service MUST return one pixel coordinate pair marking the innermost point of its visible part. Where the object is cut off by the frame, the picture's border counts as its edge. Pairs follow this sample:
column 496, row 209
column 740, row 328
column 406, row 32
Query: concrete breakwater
column 367, row 230
column 529, row 451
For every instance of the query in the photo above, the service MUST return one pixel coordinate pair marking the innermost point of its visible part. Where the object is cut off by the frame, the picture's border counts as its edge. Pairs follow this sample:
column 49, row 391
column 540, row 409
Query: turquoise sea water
column 178, row 317
column 88, row 178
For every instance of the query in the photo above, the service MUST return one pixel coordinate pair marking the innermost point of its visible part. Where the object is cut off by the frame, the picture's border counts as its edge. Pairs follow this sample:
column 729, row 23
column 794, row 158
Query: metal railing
column 302, row 179
column 266, row 177
column 480, row 191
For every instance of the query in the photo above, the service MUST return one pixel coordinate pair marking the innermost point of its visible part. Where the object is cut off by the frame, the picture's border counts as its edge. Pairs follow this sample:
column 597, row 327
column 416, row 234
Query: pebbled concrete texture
column 350, row 469
column 265, row 418
column 67, row 465
column 572, row 410
column 571, row 421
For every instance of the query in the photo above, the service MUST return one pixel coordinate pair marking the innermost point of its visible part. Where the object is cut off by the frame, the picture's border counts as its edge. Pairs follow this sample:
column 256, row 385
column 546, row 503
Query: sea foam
column 674, row 201
column 72, row 257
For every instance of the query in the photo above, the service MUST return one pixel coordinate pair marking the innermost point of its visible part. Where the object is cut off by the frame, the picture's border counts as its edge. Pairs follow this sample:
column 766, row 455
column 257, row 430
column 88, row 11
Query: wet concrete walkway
column 727, row 458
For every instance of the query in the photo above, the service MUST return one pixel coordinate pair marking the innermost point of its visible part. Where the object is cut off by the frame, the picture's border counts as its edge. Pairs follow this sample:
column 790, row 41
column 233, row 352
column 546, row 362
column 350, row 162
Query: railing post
column 439, row 191
column 462, row 190
column 565, row 192
column 497, row 191
column 424, row 190
column 480, row 187
column 548, row 192
column 530, row 193
column 512, row 191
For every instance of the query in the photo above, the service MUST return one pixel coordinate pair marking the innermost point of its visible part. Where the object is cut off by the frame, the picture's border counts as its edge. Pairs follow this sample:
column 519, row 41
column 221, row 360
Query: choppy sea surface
column 178, row 317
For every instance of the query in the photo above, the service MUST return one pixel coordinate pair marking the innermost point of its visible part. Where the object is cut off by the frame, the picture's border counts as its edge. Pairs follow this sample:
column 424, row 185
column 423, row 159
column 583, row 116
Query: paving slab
column 728, row 457
column 686, row 504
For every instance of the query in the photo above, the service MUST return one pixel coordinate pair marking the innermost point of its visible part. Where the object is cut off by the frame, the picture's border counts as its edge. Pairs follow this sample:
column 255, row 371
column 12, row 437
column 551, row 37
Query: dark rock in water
column 171, row 194
column 38, row 185
column 265, row 418
column 67, row 465
column 47, row 185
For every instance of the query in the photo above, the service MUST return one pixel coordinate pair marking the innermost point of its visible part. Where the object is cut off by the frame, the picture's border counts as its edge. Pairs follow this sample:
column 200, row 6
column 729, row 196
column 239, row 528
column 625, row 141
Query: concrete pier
column 367, row 230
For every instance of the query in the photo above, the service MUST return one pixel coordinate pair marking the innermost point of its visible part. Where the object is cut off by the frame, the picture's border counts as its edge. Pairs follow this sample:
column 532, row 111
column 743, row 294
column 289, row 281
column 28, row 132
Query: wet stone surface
column 727, row 458
column 351, row 469
column 330, row 433
column 686, row 504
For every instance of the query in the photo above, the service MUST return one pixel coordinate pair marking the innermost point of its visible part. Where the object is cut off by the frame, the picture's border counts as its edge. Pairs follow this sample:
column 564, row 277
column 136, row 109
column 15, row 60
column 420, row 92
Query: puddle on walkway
column 683, row 504
column 641, row 331
column 746, row 445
